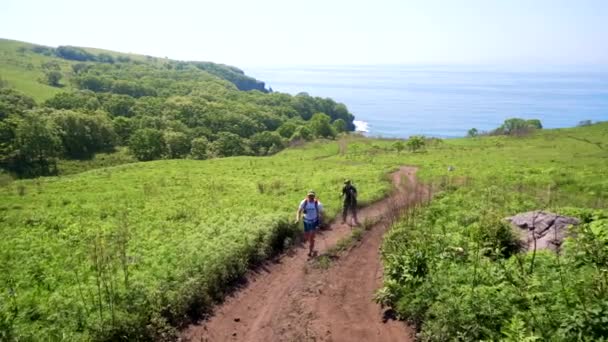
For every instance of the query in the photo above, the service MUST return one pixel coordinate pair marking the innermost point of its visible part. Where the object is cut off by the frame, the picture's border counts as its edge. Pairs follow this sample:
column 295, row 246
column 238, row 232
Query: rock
column 547, row 228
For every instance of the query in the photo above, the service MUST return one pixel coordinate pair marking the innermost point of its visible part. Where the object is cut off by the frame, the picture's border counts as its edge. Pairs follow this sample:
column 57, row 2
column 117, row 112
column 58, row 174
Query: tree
column 199, row 148
column 119, row 105
column 228, row 144
column 177, row 144
column 74, row 53
column 585, row 123
column 398, row 146
column 35, row 147
column 83, row 135
column 83, row 99
column 14, row 102
column 534, row 123
column 147, row 144
column 510, row 126
column 339, row 126
column 261, row 143
column 514, row 126
column 123, row 127
column 414, row 143
column 105, row 58
column 93, row 83
column 52, row 78
column 132, row 89
column 302, row 133
column 320, row 126
column 287, row 129
column 472, row 133
column 79, row 68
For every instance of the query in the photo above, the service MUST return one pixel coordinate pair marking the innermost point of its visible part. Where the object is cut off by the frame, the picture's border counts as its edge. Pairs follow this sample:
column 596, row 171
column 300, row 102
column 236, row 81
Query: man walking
column 313, row 216
column 349, row 192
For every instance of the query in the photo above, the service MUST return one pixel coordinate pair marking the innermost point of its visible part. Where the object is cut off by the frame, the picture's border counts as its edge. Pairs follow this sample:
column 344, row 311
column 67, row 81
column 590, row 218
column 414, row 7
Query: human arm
column 299, row 213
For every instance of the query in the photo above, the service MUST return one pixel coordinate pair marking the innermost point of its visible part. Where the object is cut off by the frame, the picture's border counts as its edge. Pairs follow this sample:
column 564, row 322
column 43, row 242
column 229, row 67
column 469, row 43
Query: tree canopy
column 161, row 108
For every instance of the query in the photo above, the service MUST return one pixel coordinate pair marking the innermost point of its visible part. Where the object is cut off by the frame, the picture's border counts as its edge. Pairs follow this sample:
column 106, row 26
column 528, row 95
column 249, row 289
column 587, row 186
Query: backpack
column 316, row 206
column 351, row 193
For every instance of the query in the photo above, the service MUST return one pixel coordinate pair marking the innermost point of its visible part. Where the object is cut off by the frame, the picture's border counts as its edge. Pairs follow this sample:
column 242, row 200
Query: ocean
column 399, row 101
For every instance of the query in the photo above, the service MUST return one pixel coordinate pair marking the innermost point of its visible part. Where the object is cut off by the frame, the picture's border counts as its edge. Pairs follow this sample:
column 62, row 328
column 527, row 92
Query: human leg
column 309, row 235
column 353, row 210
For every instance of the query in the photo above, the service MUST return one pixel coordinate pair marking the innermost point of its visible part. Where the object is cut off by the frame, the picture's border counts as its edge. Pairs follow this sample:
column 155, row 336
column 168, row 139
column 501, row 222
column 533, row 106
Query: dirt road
column 294, row 299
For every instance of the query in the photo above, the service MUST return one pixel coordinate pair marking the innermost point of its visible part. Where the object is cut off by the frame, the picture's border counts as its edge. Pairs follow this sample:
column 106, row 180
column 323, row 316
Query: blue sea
column 399, row 101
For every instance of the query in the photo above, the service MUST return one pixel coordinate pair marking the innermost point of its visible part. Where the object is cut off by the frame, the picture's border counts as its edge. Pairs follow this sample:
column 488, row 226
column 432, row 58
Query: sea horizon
column 447, row 100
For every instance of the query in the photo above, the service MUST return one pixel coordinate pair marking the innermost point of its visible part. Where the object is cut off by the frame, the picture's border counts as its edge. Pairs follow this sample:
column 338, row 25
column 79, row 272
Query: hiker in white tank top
column 313, row 216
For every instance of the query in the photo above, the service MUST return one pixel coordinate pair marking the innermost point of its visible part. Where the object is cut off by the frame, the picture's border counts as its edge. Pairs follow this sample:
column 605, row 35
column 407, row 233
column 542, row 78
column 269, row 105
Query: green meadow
column 133, row 251
column 22, row 69
column 455, row 268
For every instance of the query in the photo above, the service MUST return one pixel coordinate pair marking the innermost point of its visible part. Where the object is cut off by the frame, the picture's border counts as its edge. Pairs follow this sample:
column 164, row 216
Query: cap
column 346, row 181
column 311, row 193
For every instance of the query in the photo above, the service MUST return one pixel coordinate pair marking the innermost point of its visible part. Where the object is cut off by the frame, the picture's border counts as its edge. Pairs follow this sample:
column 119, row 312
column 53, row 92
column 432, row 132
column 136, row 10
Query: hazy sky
column 271, row 32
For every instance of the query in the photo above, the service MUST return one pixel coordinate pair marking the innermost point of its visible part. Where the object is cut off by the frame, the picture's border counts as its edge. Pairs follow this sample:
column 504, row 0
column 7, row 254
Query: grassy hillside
column 454, row 268
column 157, row 108
column 159, row 238
column 132, row 250
column 21, row 68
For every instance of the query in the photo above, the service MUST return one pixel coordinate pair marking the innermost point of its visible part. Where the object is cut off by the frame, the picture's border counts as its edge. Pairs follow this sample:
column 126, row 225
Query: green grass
column 133, row 250
column 453, row 268
column 22, row 70
column 100, row 160
column 150, row 241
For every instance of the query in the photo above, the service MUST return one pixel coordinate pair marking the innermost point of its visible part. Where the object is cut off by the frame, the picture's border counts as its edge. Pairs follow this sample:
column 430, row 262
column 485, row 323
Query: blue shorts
column 310, row 226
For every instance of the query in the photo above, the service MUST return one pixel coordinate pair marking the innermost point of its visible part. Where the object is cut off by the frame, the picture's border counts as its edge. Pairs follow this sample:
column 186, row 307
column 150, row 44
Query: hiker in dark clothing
column 349, row 192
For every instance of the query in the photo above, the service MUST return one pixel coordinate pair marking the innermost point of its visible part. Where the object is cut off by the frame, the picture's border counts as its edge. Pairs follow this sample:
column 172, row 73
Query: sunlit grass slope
column 130, row 251
column 22, row 70
column 454, row 269
column 107, row 252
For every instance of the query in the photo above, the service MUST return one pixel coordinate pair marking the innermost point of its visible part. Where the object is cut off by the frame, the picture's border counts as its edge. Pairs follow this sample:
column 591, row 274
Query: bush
column 74, row 53
column 83, row 135
column 264, row 142
column 415, row 143
column 177, row 144
column 147, row 144
column 199, row 148
column 454, row 270
column 228, row 144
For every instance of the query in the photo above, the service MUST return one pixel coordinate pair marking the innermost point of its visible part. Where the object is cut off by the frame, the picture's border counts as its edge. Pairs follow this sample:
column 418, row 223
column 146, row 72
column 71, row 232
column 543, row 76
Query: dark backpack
column 351, row 193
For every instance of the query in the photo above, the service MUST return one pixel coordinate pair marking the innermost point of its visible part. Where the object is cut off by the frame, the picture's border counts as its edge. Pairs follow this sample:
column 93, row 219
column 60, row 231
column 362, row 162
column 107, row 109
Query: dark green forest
column 157, row 108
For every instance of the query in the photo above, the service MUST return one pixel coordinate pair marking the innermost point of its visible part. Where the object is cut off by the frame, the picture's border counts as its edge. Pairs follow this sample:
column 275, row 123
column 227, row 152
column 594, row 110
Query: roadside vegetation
column 133, row 251
column 455, row 268
column 136, row 250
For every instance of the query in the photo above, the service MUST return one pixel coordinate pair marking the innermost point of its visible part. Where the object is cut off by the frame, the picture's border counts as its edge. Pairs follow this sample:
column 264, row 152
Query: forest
column 156, row 108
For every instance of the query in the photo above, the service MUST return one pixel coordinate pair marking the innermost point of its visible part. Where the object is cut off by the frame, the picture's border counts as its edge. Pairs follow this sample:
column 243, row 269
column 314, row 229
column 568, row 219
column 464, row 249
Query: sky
column 323, row 32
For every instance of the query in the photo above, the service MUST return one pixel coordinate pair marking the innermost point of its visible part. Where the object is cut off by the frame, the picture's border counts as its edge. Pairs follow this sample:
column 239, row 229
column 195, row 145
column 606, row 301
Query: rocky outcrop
column 548, row 229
